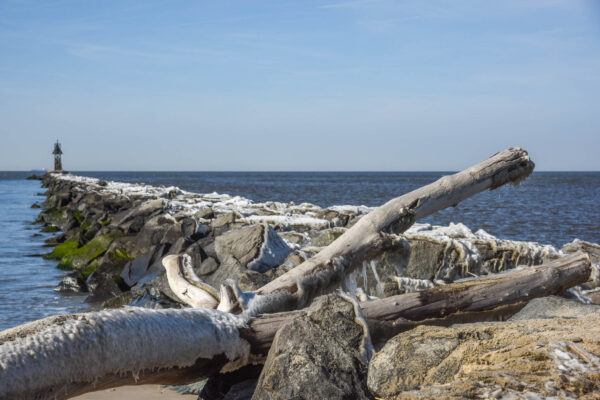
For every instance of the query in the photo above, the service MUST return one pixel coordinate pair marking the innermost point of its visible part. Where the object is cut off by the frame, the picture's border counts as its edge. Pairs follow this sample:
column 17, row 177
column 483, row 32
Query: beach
column 143, row 392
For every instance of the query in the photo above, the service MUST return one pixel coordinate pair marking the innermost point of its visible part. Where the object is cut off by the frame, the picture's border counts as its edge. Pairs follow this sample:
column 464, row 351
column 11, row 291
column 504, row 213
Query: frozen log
column 484, row 293
column 64, row 356
column 479, row 299
column 372, row 235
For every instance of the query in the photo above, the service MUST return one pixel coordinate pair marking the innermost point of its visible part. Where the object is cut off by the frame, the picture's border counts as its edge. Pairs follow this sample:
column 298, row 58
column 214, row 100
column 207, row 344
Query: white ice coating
column 461, row 239
column 379, row 285
column 273, row 251
column 286, row 215
column 409, row 285
column 465, row 237
column 464, row 258
column 118, row 341
column 288, row 221
column 351, row 288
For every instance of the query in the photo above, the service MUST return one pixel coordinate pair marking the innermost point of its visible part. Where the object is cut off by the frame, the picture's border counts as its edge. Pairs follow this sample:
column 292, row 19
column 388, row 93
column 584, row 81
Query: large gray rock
column 161, row 229
column 71, row 283
column 319, row 355
column 132, row 220
column 553, row 307
column 256, row 247
column 102, row 286
column 592, row 249
column 327, row 236
column 135, row 269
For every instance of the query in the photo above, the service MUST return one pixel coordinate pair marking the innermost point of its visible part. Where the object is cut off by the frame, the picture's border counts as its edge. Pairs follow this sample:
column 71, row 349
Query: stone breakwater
column 113, row 236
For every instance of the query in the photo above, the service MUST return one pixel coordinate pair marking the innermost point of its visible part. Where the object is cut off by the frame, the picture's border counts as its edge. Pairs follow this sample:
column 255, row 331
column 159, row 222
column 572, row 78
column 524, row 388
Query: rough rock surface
column 320, row 355
column 71, row 283
column 555, row 307
column 536, row 358
column 256, row 247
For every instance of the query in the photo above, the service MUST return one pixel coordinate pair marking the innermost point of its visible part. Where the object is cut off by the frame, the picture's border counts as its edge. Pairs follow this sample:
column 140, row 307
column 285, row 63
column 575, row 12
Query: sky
column 359, row 85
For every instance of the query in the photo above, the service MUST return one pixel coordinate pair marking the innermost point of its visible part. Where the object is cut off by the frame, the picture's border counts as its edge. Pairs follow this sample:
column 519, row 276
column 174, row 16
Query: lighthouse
column 57, row 156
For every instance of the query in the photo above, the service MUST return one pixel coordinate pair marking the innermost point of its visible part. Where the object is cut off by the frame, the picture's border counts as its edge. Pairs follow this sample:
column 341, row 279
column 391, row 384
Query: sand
column 142, row 392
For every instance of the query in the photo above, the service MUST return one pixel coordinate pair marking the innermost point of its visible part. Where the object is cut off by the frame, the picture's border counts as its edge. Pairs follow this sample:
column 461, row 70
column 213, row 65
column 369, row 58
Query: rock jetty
column 112, row 237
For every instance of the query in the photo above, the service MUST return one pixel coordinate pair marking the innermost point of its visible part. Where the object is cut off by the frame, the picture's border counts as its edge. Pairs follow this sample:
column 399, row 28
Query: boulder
column 256, row 247
column 192, row 229
column 322, row 354
column 251, row 248
column 238, row 384
column 206, row 267
column 71, row 283
column 222, row 223
column 198, row 255
column 205, row 213
column 160, row 229
column 555, row 307
column 102, row 287
column 135, row 269
column 132, row 220
column 327, row 236
column 592, row 249
column 180, row 245
column 447, row 253
column 538, row 358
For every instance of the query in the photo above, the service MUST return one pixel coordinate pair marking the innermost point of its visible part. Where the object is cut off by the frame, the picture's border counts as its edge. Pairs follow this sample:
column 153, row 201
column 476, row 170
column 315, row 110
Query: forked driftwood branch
column 371, row 235
column 60, row 357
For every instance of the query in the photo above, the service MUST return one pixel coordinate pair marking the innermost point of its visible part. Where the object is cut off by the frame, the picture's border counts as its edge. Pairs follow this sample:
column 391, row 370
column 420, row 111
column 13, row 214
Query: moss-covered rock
column 62, row 250
column 73, row 256
column 50, row 229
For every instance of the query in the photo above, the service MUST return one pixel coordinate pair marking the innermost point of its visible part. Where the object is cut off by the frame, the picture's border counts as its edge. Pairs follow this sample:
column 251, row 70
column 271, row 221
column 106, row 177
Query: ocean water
column 27, row 281
column 549, row 207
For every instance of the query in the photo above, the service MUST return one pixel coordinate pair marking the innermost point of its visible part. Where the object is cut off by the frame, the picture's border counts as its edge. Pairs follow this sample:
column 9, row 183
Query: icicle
column 379, row 285
column 364, row 276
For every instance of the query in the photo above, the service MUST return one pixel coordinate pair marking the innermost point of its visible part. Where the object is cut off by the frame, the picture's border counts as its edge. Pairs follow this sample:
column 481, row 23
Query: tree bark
column 60, row 357
column 369, row 236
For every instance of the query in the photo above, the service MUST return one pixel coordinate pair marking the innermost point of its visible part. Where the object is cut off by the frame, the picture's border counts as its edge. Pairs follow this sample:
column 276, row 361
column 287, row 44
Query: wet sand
column 142, row 392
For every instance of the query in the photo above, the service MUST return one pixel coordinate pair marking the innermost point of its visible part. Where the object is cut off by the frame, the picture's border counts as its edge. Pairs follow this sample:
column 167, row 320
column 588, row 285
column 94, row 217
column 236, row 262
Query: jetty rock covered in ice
column 114, row 236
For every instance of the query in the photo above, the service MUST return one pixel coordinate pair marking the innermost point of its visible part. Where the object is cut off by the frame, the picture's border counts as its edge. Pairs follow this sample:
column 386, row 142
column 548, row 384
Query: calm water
column 550, row 207
column 26, row 281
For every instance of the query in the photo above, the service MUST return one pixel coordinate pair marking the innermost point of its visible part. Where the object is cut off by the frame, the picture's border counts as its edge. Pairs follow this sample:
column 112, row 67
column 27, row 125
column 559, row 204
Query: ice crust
column 286, row 215
column 118, row 341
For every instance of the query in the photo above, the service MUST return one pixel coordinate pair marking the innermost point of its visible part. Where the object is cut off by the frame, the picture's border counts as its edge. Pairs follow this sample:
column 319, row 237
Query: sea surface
column 549, row 207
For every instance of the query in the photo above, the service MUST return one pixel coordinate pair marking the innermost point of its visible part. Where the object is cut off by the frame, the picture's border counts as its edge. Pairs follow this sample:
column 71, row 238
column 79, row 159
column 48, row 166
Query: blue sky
column 298, row 85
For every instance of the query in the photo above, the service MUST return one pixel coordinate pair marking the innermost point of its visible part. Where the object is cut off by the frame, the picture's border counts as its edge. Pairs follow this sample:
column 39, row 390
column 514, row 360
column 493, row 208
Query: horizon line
column 274, row 171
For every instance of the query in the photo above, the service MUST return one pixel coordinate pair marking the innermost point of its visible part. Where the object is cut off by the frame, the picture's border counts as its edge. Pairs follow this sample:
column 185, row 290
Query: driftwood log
column 64, row 356
column 372, row 234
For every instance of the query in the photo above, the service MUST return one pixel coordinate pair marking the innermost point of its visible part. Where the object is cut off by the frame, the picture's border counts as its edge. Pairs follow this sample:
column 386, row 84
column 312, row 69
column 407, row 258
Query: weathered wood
column 31, row 354
column 484, row 293
column 59, row 357
column 186, row 285
column 369, row 236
